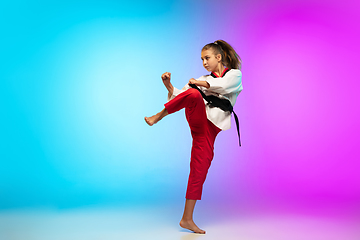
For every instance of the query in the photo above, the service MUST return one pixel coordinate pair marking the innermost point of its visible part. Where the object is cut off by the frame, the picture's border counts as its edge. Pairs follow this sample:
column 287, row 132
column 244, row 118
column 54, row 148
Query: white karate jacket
column 228, row 86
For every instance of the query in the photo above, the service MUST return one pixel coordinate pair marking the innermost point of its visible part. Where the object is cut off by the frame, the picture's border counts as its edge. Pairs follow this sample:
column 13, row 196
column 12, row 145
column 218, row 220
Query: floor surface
column 162, row 223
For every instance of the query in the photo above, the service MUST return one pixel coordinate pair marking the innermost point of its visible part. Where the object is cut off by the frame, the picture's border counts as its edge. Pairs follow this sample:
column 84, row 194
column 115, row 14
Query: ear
column 218, row 57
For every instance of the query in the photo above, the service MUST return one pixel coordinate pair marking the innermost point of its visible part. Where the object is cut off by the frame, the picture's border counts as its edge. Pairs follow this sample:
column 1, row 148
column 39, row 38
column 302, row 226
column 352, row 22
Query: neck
column 220, row 69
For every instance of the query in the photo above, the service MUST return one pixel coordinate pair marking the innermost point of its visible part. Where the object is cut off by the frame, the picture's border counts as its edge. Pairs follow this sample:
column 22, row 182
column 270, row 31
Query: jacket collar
column 214, row 75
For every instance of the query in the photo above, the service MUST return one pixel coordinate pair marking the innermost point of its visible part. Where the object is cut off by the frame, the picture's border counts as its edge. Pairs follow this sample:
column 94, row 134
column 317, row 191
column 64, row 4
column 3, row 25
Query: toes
column 147, row 121
column 192, row 227
column 200, row 231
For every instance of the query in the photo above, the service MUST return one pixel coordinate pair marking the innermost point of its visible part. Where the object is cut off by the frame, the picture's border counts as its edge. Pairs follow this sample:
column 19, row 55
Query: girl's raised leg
column 187, row 219
column 157, row 117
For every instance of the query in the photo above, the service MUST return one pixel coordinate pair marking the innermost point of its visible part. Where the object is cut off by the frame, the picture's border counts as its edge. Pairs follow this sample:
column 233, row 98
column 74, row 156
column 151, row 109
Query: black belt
column 221, row 103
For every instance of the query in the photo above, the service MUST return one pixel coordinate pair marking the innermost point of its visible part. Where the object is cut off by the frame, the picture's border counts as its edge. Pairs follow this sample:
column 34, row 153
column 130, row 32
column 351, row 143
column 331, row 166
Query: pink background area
column 299, row 109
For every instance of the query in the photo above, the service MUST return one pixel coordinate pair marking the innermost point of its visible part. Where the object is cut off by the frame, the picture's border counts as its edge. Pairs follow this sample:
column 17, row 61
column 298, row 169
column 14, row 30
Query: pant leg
column 203, row 133
column 193, row 103
column 202, row 153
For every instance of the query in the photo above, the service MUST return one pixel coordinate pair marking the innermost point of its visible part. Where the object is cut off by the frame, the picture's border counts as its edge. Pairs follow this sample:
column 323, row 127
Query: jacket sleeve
column 230, row 83
column 186, row 87
column 177, row 92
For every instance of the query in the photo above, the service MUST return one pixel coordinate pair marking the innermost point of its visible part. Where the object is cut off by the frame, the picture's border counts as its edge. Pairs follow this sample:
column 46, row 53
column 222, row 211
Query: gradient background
column 77, row 78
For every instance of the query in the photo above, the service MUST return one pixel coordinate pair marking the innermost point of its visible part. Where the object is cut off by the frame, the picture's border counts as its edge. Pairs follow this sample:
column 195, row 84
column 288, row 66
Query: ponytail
column 229, row 57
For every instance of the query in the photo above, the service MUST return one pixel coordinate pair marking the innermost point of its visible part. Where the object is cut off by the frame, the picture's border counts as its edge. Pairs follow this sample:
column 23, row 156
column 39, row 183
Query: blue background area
column 77, row 78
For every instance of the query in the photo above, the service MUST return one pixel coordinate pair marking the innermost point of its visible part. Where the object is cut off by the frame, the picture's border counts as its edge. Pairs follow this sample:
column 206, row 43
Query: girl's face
column 210, row 61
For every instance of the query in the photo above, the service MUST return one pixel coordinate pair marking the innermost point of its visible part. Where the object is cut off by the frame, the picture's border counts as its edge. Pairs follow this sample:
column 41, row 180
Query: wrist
column 205, row 84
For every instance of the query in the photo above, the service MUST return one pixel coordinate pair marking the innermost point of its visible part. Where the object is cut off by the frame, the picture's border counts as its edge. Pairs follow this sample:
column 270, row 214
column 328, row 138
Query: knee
column 195, row 94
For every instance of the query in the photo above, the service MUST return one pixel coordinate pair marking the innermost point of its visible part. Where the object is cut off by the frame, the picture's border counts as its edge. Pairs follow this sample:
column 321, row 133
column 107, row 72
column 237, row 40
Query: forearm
column 202, row 84
column 170, row 88
column 199, row 83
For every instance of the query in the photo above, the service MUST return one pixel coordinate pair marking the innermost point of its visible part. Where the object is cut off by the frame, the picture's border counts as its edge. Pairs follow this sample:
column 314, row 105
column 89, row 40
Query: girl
column 205, row 120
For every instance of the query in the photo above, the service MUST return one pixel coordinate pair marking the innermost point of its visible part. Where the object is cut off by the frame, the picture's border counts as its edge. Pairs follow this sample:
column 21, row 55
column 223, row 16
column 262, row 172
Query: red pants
column 203, row 133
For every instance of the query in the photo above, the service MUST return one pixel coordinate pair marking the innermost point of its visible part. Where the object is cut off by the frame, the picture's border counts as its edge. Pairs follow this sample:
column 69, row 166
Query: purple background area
column 299, row 109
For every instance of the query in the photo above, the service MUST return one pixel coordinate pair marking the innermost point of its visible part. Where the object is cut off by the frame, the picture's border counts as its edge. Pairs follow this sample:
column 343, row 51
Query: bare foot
column 157, row 117
column 191, row 226
column 151, row 120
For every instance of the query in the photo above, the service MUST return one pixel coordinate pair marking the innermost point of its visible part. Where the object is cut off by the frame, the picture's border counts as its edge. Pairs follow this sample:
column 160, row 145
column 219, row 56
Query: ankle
column 187, row 219
column 163, row 113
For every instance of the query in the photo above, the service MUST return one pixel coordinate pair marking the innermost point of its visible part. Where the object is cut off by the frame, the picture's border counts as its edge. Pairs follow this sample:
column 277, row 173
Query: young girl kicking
column 205, row 120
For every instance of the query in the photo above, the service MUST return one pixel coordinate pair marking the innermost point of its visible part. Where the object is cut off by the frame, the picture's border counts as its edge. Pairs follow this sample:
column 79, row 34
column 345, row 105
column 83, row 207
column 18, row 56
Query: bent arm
column 170, row 88
column 176, row 92
column 166, row 80
column 199, row 83
column 231, row 82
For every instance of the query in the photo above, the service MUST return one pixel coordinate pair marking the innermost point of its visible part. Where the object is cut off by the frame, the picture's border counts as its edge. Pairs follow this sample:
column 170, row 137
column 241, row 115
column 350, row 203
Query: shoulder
column 233, row 75
column 235, row 72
